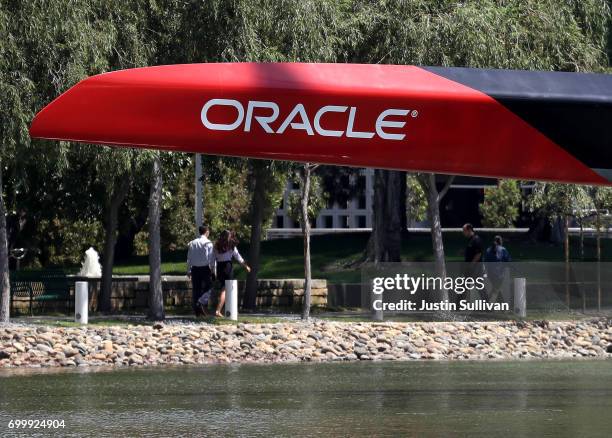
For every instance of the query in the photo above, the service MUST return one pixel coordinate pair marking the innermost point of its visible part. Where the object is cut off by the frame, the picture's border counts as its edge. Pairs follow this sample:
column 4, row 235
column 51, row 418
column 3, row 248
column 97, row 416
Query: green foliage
column 602, row 197
column 267, row 181
column 500, row 207
column 602, row 202
column 416, row 204
column 177, row 219
column 565, row 35
column 317, row 200
column 558, row 200
column 46, row 47
column 64, row 242
column 226, row 196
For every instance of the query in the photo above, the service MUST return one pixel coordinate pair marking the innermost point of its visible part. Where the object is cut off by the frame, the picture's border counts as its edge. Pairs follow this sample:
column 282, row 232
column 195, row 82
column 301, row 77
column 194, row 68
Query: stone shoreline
column 29, row 346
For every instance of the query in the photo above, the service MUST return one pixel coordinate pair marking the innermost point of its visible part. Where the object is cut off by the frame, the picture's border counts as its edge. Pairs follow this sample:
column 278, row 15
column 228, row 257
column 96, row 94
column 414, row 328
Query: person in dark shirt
column 473, row 255
column 473, row 250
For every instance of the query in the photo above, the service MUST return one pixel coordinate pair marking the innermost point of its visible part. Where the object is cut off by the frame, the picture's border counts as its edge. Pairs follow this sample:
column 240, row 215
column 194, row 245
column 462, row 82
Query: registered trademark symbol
column 414, row 113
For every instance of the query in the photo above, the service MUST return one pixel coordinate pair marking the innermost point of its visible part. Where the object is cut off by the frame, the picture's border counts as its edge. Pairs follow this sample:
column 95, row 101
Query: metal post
column 199, row 211
column 520, row 297
column 81, row 302
column 231, row 299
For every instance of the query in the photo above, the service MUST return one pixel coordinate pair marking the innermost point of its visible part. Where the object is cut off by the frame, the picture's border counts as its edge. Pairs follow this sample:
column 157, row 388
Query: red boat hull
column 381, row 116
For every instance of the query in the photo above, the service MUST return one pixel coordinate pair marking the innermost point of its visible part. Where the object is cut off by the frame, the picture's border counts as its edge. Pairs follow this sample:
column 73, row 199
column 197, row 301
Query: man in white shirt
column 200, row 266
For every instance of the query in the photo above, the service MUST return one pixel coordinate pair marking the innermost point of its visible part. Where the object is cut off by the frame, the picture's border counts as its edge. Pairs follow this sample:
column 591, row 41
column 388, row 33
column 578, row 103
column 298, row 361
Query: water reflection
column 369, row 399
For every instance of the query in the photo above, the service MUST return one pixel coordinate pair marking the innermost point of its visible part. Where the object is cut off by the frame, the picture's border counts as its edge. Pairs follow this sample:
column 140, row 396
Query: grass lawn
column 283, row 258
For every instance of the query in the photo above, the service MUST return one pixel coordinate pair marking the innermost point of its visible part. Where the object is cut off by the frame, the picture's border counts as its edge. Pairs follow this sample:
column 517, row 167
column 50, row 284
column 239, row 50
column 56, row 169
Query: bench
column 46, row 285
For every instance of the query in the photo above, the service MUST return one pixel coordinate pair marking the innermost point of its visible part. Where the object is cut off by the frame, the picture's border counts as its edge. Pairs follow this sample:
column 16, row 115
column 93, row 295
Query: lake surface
column 361, row 399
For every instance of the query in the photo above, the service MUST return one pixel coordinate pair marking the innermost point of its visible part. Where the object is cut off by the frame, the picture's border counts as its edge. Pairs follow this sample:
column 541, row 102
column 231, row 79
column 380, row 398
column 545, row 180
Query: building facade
column 460, row 205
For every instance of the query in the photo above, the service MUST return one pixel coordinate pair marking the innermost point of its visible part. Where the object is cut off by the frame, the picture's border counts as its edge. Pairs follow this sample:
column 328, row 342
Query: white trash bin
column 231, row 299
column 81, row 302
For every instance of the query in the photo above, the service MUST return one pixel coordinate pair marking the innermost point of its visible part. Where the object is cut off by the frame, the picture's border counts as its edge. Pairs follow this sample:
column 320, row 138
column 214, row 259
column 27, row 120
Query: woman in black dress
column 226, row 251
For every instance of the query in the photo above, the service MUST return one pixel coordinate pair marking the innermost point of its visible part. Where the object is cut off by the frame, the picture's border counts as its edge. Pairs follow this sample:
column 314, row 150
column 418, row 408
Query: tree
column 428, row 182
column 416, row 200
column 156, row 295
column 317, row 199
column 304, row 208
column 46, row 47
column 518, row 34
column 117, row 175
column 267, row 180
column 559, row 202
column 292, row 31
column 305, row 218
column 500, row 207
column 389, row 221
column 227, row 194
column 5, row 284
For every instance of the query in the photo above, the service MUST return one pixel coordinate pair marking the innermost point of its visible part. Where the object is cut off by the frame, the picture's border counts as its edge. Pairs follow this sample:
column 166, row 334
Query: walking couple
column 204, row 260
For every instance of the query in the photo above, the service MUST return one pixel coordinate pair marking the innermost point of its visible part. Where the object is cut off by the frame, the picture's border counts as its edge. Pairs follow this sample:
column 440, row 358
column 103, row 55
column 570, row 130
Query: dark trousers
column 201, row 281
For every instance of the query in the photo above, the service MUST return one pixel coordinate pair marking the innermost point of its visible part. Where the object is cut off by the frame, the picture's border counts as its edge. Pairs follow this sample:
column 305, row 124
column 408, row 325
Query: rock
column 158, row 326
column 4, row 354
column 609, row 348
column 45, row 348
column 69, row 352
column 19, row 347
column 135, row 359
column 107, row 346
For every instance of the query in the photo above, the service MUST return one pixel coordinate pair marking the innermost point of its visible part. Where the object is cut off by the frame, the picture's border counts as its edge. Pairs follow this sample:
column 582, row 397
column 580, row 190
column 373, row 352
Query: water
column 361, row 399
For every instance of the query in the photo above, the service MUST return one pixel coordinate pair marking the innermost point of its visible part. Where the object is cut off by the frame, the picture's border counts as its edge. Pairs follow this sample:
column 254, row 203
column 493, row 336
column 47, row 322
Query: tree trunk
column 389, row 215
column 305, row 222
column 110, row 240
column 428, row 182
column 156, row 297
column 581, row 241
column 433, row 213
column 256, row 215
column 5, row 283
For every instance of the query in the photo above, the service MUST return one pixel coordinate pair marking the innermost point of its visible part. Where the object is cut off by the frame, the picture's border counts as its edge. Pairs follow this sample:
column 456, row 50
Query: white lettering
column 382, row 123
column 317, row 120
column 305, row 125
column 222, row 126
column 298, row 119
column 262, row 120
column 351, row 123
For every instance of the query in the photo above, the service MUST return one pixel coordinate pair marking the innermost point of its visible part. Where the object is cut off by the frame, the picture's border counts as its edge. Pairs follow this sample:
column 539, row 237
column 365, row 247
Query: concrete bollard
column 81, row 302
column 520, row 297
column 231, row 299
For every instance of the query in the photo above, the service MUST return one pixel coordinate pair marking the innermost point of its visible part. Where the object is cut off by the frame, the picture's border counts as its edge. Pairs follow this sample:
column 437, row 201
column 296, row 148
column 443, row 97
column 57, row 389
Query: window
column 361, row 183
column 361, row 202
column 361, row 221
column 328, row 221
column 344, row 221
column 280, row 221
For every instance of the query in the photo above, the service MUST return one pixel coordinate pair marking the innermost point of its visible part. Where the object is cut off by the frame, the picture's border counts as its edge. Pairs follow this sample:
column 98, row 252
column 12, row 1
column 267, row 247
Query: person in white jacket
column 200, row 268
